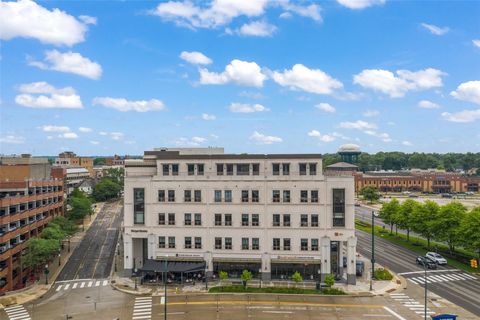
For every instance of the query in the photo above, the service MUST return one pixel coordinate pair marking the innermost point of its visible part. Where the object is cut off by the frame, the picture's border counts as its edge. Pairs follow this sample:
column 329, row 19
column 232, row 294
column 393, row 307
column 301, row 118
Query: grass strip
column 284, row 290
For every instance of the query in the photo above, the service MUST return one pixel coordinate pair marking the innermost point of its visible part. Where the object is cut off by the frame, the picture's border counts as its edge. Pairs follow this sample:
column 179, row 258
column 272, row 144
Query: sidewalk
column 39, row 288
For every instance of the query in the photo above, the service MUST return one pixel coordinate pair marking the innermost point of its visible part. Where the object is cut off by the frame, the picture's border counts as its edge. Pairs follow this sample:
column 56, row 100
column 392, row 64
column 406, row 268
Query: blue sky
column 105, row 77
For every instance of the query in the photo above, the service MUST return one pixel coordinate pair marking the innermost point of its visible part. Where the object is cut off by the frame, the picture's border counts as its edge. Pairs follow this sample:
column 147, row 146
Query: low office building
column 69, row 159
column 273, row 214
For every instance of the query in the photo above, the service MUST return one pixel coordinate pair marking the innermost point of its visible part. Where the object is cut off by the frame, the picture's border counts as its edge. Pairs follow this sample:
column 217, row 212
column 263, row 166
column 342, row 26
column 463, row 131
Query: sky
column 122, row 77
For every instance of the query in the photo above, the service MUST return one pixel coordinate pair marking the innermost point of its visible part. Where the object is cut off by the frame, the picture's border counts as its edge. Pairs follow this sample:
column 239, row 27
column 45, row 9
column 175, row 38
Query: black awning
column 152, row 265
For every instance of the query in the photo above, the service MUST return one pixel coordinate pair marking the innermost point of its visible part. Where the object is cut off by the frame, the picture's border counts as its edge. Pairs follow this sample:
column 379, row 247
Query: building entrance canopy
column 152, row 265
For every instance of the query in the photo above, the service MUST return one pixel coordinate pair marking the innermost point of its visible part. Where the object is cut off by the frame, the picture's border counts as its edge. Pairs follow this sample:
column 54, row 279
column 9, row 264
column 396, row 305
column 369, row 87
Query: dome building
column 349, row 152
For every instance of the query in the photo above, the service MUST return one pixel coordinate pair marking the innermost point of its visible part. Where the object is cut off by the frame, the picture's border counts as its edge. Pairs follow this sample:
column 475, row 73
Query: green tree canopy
column 81, row 207
column 447, row 224
column 297, row 277
column 389, row 212
column 404, row 215
column 245, row 277
column 106, row 189
column 370, row 193
column 470, row 230
column 39, row 251
column 116, row 175
column 423, row 219
column 66, row 225
column 53, row 232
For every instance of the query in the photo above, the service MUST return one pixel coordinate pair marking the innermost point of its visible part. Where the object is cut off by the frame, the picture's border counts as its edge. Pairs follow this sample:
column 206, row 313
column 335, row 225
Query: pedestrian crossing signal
column 474, row 263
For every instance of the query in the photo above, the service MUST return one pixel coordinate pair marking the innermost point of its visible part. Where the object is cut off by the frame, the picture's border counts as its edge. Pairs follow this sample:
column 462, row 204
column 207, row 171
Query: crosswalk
column 444, row 277
column 17, row 312
column 411, row 304
column 80, row 284
column 142, row 309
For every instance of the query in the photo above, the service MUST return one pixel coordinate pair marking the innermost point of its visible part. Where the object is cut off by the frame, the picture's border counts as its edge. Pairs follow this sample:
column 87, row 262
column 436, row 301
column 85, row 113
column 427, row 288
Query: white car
column 437, row 258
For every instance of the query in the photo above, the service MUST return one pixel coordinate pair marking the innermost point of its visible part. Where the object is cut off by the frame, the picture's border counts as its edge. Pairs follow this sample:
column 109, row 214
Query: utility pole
column 165, row 282
column 425, row 306
column 373, row 250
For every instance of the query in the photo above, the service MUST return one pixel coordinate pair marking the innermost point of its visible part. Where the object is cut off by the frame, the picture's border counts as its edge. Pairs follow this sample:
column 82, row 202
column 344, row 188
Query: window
column 302, row 168
column 304, row 220
column 286, row 169
column 218, row 219
column 276, row 220
column 276, row 169
column 174, row 169
column 286, row 195
column 314, row 243
column 276, row 243
column 228, row 243
column 286, row 244
column 171, row 219
column 255, row 197
column 255, row 220
column 161, row 195
column 276, row 195
column 161, row 218
column 188, row 219
column 218, row 195
column 198, row 243
column 161, row 242
column 314, row 220
column 188, row 195
column 314, row 196
column 303, row 244
column 219, row 169
column 303, row 196
column 200, row 169
column 256, row 169
column 198, row 219
column 255, row 244
column 171, row 195
column 218, row 243
column 228, row 219
column 313, row 169
column 244, row 195
column 245, row 243
column 229, row 169
column 338, row 207
column 228, row 195
column 188, row 242
column 139, row 206
column 191, row 169
column 171, row 242
column 286, row 220
column 198, row 195
column 165, row 168
column 244, row 219
column 243, row 169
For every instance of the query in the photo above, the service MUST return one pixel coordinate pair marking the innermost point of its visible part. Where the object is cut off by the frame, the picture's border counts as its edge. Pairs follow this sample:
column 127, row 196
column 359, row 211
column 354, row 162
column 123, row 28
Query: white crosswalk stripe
column 411, row 304
column 142, row 309
column 441, row 277
column 79, row 284
column 17, row 312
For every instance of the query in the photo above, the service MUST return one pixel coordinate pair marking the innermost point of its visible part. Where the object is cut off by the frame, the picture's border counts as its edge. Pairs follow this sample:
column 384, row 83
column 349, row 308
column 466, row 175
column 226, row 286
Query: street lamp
column 260, row 275
column 425, row 280
column 46, row 271
column 135, row 278
column 165, row 283
column 206, row 278
column 319, row 279
column 59, row 262
column 373, row 250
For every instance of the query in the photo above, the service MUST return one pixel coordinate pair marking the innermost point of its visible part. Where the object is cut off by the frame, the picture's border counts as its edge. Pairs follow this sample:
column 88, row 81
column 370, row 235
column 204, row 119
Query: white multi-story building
column 272, row 214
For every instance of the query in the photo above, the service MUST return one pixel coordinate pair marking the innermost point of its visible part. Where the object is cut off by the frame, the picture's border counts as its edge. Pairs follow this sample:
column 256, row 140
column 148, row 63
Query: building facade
column 271, row 214
column 70, row 159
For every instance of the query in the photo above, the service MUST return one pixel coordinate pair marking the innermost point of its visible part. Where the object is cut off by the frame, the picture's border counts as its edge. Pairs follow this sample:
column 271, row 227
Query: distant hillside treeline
column 400, row 160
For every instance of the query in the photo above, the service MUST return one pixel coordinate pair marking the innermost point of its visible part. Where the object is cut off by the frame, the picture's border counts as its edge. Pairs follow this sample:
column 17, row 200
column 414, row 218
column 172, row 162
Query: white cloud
column 476, row 43
column 371, row 113
column 360, row 4
column 239, row 72
column 125, row 105
column 190, row 142
column 26, row 19
column 45, row 96
column 425, row 104
column 247, row 108
column 69, row 62
column 359, row 124
column 407, row 143
column 88, row 19
column 52, row 128
column 12, row 139
column 398, row 85
column 285, row 15
column 325, row 107
column 94, row 142
column 385, row 137
column 257, row 29
column 116, row 135
column 208, row 117
column 468, row 91
column 309, row 80
column 260, row 138
column 68, row 135
column 463, row 116
column 217, row 13
column 311, row 11
column 438, row 31
column 84, row 129
column 103, row 133
column 195, row 57
column 321, row 137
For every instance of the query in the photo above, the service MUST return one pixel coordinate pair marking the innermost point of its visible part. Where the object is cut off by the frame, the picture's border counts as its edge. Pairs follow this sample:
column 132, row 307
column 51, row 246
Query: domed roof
column 349, row 147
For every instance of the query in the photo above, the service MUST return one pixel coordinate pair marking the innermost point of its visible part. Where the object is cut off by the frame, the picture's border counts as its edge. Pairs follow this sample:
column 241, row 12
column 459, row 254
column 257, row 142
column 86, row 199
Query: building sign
column 193, row 255
column 138, row 230
column 297, row 258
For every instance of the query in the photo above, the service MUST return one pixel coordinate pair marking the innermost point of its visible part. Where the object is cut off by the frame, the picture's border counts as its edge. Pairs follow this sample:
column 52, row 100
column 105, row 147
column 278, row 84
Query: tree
column 447, row 224
column 403, row 218
column 116, row 175
column 223, row 275
column 297, row 277
column 106, row 189
column 53, row 232
column 370, row 193
column 66, row 225
column 39, row 251
column 329, row 280
column 423, row 218
column 470, row 230
column 99, row 161
column 389, row 212
column 245, row 277
column 81, row 207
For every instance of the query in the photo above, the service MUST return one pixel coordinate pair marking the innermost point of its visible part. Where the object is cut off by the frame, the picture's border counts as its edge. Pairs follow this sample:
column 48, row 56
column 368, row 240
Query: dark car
column 424, row 260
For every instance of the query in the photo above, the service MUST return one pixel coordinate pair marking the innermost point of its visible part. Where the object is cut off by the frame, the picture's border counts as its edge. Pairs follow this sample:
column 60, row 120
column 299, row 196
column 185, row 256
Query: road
column 93, row 257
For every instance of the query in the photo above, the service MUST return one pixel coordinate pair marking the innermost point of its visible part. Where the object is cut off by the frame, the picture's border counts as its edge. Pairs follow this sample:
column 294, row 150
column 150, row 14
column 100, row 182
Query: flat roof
column 175, row 155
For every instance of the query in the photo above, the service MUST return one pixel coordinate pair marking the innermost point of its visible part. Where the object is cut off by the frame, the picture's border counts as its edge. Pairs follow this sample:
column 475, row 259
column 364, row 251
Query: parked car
column 446, row 195
column 425, row 260
column 413, row 195
column 436, row 257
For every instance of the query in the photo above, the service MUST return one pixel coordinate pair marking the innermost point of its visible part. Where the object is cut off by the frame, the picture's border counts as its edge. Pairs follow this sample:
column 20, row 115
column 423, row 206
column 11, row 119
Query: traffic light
column 474, row 263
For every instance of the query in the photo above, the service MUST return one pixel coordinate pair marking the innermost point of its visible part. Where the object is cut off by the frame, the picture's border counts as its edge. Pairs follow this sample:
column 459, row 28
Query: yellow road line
column 299, row 303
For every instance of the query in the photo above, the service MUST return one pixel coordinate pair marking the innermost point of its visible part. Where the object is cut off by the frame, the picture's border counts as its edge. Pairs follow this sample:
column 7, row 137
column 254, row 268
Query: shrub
column 382, row 274
column 223, row 275
column 297, row 277
column 329, row 280
column 246, row 276
column 278, row 290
